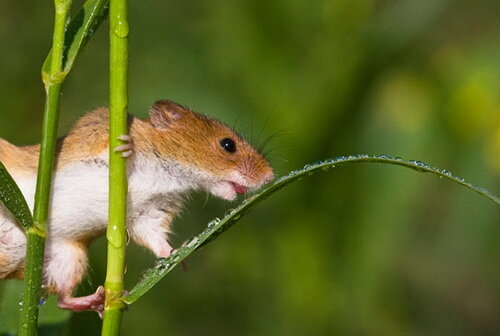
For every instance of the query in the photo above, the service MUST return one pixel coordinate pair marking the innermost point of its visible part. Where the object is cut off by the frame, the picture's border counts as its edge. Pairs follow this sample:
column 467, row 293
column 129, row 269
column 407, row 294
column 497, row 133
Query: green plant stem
column 36, row 235
column 116, row 232
column 79, row 32
column 32, row 284
column 47, row 155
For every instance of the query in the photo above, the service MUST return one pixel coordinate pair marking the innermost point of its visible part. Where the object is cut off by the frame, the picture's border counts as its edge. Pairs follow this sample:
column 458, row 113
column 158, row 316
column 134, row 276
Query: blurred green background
column 363, row 250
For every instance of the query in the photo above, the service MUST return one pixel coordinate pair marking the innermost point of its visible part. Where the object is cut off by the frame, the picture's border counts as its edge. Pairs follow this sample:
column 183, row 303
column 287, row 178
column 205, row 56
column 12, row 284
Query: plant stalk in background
column 36, row 234
column 116, row 232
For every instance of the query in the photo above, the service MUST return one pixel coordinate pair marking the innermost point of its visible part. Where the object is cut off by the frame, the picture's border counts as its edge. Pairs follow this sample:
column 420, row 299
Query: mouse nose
column 257, row 171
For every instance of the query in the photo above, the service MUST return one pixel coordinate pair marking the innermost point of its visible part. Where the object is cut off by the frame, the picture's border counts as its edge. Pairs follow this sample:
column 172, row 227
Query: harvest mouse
column 173, row 152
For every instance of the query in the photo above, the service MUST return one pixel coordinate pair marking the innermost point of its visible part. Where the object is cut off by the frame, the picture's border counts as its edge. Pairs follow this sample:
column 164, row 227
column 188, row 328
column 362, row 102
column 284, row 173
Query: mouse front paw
column 126, row 149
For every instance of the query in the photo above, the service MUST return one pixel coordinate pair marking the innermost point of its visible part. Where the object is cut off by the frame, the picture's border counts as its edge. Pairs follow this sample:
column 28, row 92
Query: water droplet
column 446, row 172
column 114, row 237
column 418, row 163
column 229, row 212
column 214, row 222
column 307, row 166
column 192, row 242
column 121, row 28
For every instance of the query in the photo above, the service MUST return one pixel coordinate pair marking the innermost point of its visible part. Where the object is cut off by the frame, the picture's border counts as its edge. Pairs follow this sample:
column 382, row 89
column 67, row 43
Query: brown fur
column 175, row 141
column 173, row 132
column 193, row 139
column 87, row 138
column 17, row 274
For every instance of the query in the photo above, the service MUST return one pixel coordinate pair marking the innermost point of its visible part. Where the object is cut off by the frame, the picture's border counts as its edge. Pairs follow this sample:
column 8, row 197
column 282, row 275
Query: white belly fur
column 79, row 203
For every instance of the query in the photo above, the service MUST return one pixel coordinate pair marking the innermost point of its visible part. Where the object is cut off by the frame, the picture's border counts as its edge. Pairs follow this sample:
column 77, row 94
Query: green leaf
column 13, row 199
column 218, row 226
column 79, row 31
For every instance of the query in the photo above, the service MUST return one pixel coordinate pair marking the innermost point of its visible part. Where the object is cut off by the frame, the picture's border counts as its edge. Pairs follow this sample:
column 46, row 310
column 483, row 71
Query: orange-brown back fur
column 87, row 138
column 193, row 139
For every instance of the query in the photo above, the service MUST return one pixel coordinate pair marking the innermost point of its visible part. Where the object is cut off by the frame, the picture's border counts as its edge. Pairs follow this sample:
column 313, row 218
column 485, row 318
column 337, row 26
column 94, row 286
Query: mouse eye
column 228, row 145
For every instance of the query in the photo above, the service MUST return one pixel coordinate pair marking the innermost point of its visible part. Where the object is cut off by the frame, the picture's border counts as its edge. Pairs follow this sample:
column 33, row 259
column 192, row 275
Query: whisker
column 276, row 134
column 238, row 117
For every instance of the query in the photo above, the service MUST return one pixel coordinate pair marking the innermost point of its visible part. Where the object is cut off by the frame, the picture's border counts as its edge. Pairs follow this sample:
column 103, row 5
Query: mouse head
column 221, row 160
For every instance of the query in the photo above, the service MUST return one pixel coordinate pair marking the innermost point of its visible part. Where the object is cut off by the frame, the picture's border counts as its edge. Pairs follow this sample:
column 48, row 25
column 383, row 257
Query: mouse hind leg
column 65, row 267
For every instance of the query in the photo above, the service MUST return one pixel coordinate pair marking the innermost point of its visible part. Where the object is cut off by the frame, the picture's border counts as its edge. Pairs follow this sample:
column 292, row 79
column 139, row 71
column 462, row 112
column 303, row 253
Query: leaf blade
column 13, row 199
column 216, row 227
column 78, row 33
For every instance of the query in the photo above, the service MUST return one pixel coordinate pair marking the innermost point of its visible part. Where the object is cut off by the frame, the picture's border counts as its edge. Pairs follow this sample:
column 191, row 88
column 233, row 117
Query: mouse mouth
column 227, row 189
column 238, row 188
column 235, row 183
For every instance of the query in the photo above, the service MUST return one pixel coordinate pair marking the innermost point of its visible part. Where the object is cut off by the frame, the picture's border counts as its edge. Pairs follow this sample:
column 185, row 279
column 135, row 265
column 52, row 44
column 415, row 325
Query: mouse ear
column 165, row 112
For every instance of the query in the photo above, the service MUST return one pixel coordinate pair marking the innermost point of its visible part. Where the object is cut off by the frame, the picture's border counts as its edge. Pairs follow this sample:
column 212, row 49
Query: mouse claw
column 125, row 137
column 126, row 149
column 183, row 262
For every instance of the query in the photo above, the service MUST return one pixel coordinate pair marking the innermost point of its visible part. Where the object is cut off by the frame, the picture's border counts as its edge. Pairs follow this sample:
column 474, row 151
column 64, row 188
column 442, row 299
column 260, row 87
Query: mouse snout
column 258, row 172
column 268, row 177
column 246, row 175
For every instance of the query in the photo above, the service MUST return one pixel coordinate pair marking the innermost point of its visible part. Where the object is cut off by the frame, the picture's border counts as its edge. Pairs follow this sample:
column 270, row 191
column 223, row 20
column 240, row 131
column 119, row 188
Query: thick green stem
column 116, row 233
column 36, row 235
